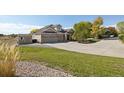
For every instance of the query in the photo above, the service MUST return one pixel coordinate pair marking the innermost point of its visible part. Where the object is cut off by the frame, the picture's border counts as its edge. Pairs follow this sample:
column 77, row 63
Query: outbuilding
column 24, row 39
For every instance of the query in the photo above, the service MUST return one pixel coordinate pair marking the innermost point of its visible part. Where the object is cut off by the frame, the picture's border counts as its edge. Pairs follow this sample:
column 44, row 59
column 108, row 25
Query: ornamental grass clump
column 9, row 55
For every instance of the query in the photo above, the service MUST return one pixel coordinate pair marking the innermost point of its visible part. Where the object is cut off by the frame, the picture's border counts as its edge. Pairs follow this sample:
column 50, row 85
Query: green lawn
column 78, row 64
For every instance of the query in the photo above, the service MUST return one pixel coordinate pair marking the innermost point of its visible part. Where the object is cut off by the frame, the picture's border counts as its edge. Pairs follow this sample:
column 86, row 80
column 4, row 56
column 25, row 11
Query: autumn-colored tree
column 34, row 31
column 96, row 26
column 113, row 31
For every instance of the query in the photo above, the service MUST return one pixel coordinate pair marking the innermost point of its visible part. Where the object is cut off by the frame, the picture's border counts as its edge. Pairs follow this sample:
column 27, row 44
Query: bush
column 91, row 40
column 121, row 37
column 9, row 55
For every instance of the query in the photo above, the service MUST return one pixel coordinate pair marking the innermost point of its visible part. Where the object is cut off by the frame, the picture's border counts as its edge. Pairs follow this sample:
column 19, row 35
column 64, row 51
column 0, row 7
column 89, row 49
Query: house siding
column 52, row 37
column 25, row 39
column 37, row 37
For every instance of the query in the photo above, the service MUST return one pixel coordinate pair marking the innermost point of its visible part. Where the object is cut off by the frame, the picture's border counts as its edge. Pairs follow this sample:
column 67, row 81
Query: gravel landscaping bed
column 36, row 45
column 30, row 69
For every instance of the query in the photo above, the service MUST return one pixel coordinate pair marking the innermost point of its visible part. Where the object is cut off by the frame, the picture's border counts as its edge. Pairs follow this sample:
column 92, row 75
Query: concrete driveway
column 112, row 47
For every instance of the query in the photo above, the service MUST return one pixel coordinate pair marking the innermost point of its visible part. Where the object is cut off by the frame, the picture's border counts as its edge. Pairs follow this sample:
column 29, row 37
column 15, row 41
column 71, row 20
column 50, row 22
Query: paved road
column 104, row 47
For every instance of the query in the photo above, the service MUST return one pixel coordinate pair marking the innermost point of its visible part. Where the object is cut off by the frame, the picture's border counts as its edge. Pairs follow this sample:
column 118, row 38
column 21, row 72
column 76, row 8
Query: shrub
column 91, row 40
column 9, row 55
column 121, row 37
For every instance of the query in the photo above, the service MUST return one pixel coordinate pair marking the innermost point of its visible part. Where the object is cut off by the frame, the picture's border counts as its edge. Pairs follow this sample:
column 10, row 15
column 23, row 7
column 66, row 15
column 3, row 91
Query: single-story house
column 48, row 34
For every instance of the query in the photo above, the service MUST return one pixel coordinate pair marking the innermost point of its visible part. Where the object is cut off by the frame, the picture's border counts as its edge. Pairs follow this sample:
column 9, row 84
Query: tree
column 70, row 34
column 1, row 35
column 82, row 31
column 120, row 27
column 96, row 26
column 101, row 32
column 34, row 31
column 113, row 31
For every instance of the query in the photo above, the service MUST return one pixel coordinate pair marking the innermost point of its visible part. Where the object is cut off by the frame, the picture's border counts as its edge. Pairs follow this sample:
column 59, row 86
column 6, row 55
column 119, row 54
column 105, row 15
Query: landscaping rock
column 30, row 69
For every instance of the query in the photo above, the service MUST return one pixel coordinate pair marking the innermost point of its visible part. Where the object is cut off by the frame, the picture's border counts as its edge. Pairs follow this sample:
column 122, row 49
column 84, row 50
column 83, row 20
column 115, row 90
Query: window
column 22, row 38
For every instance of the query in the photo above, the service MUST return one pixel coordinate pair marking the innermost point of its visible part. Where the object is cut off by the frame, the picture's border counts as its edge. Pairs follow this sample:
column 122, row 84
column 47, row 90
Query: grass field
column 8, row 40
column 77, row 64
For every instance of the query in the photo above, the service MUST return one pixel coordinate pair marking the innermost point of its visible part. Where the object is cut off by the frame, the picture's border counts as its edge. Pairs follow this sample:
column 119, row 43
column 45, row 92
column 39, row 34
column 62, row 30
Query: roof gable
column 46, row 30
column 50, row 29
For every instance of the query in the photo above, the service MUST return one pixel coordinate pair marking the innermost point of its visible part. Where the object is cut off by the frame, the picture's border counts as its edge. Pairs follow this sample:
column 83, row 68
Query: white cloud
column 12, row 28
column 68, row 27
column 111, row 25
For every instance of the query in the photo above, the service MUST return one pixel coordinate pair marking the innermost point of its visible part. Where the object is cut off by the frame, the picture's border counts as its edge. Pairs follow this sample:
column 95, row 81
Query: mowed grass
column 77, row 64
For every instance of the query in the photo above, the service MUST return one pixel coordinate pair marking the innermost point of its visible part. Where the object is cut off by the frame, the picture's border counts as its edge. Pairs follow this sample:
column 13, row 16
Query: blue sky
column 24, row 23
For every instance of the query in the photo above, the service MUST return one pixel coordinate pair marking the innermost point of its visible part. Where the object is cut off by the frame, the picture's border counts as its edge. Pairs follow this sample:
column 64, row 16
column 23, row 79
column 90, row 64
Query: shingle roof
column 48, row 29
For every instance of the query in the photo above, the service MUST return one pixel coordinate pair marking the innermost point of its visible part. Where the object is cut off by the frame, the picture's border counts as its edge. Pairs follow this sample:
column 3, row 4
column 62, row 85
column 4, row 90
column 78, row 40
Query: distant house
column 50, row 34
column 111, row 32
